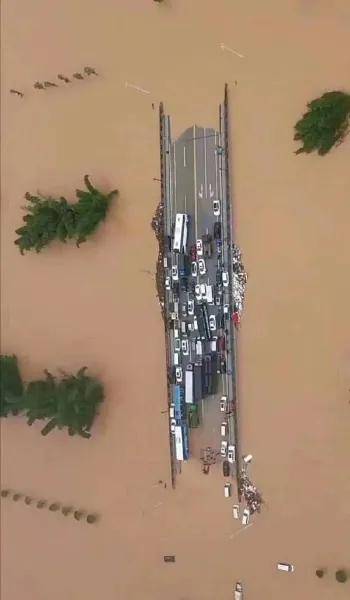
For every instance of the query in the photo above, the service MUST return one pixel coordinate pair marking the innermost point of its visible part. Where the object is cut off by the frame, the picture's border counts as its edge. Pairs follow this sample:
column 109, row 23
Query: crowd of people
column 239, row 280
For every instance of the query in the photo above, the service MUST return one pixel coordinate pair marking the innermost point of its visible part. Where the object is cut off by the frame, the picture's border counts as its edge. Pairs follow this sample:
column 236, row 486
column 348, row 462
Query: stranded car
column 201, row 266
column 175, row 273
column 167, row 283
column 199, row 247
column 235, row 511
column 190, row 306
column 212, row 322
column 178, row 374
column 238, row 591
column 227, row 490
column 226, row 468
column 245, row 517
column 216, row 208
column 194, row 269
column 225, row 279
column 177, row 344
column 198, row 292
column 285, row 567
column 185, row 347
column 223, row 448
column 172, row 425
column 223, row 403
column 231, row 454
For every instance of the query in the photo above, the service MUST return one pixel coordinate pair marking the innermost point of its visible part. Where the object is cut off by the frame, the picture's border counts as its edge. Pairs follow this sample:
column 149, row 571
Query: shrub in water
column 324, row 124
column 49, row 219
column 11, row 386
column 341, row 575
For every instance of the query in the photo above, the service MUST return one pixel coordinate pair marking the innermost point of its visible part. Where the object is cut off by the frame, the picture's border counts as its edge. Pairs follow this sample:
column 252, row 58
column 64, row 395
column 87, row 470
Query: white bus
column 179, row 450
column 189, row 384
column 180, row 232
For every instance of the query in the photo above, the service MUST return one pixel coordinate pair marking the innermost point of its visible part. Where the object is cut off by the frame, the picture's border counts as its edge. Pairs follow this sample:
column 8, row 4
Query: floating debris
column 239, row 282
column 17, row 93
column 38, row 85
column 250, row 492
column 63, row 78
column 78, row 76
column 157, row 225
column 90, row 71
column 49, row 84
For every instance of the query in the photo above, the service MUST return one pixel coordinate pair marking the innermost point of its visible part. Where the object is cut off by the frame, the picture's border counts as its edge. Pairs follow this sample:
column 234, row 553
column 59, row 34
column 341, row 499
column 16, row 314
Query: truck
column 184, row 265
column 209, row 294
column 189, row 384
column 179, row 402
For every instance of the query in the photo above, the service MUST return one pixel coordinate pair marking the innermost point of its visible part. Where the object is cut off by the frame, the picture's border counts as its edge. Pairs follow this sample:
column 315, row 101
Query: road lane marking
column 224, row 47
column 211, row 193
column 185, row 203
column 200, row 194
column 136, row 87
column 185, row 165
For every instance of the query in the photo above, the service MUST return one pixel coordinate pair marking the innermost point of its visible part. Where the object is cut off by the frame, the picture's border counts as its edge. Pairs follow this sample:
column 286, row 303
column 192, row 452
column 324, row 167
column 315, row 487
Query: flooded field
column 96, row 305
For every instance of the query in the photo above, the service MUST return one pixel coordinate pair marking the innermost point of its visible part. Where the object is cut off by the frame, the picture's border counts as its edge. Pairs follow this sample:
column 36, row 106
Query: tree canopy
column 325, row 123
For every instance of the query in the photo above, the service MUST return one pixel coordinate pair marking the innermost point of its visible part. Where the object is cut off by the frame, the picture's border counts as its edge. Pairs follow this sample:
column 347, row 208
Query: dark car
column 218, row 277
column 176, row 288
column 222, row 365
column 221, row 343
column 226, row 468
column 217, row 230
column 183, row 284
column 193, row 253
column 168, row 242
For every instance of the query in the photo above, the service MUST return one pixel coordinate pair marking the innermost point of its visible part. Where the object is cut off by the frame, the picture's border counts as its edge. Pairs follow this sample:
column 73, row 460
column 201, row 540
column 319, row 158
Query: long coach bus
column 180, row 232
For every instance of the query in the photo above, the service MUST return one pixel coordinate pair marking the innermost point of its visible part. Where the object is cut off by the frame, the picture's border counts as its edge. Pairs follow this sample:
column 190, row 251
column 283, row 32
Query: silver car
column 201, row 266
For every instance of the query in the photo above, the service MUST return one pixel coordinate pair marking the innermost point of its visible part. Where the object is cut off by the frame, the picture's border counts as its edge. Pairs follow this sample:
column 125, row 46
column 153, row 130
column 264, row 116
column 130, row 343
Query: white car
column 178, row 374
column 225, row 279
column 226, row 309
column 167, row 283
column 184, row 347
column 235, row 511
column 194, row 269
column 227, row 490
column 199, row 246
column 175, row 273
column 216, row 208
column 245, row 517
column 223, row 403
column 223, row 449
column 224, row 429
column 203, row 289
column 247, row 458
column 172, row 425
column 212, row 323
column 285, row 567
column 238, row 591
column 197, row 291
column 231, row 454
column 177, row 344
column 195, row 323
column 201, row 266
column 190, row 305
column 172, row 411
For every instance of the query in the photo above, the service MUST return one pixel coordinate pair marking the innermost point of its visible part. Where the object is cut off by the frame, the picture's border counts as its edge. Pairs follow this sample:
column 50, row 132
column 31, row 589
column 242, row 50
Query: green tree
column 11, row 386
column 324, row 124
column 49, row 219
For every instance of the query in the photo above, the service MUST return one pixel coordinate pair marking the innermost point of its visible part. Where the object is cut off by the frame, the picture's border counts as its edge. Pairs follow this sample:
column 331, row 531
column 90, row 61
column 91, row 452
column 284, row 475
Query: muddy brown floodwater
column 97, row 306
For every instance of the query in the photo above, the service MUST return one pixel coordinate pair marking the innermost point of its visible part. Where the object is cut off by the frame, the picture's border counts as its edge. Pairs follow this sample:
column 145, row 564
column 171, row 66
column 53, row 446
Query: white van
column 238, row 591
column 224, row 429
column 172, row 411
column 213, row 344
column 176, row 359
column 209, row 294
column 235, row 511
column 285, row 567
column 227, row 490
column 199, row 347
column 245, row 517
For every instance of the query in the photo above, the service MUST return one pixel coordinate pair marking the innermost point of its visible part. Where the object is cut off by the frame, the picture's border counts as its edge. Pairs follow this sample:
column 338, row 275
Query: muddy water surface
column 97, row 305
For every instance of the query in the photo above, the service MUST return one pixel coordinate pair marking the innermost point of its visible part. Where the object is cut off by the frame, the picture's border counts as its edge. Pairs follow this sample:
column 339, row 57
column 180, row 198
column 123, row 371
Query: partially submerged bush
column 70, row 402
column 49, row 219
column 341, row 575
column 11, row 386
column 324, row 124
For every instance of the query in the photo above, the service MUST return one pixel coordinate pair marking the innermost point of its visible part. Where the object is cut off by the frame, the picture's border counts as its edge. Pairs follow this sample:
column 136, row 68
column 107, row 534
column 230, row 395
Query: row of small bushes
column 70, row 402
column 65, row 509
column 340, row 575
column 48, row 219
